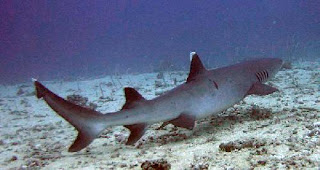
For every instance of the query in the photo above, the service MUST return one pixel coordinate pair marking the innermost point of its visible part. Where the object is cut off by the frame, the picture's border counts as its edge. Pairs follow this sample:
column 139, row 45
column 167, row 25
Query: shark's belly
column 215, row 104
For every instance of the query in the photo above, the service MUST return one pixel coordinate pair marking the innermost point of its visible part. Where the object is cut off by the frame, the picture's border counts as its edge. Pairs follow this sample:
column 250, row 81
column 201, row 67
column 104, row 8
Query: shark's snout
column 275, row 64
column 278, row 62
column 270, row 65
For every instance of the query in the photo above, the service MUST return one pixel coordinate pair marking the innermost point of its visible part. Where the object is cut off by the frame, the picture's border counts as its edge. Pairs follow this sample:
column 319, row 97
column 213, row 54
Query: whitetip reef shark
column 205, row 93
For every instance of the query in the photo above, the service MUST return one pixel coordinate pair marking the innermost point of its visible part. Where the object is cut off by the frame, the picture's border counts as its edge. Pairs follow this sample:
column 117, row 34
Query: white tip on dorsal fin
column 33, row 79
column 192, row 53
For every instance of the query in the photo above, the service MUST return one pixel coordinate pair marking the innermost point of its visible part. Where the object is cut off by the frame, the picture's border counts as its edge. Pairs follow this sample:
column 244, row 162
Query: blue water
column 71, row 39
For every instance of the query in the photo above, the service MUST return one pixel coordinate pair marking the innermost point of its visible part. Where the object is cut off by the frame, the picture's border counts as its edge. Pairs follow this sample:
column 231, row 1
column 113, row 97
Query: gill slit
column 262, row 75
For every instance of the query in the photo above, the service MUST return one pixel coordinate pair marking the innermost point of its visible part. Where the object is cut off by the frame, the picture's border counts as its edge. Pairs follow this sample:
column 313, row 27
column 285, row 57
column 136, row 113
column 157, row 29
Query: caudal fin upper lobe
column 86, row 121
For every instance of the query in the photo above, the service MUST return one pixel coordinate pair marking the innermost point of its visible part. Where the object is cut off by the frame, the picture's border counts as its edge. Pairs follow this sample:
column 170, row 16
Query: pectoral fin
column 261, row 89
column 137, row 131
column 184, row 121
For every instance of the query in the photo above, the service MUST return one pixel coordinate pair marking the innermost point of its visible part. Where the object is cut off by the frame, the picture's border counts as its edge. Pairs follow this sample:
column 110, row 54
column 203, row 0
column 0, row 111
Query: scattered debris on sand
column 156, row 165
column 277, row 131
column 81, row 101
column 238, row 145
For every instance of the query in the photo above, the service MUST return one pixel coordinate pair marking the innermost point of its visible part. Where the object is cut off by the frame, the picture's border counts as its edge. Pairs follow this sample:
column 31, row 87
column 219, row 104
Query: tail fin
column 86, row 121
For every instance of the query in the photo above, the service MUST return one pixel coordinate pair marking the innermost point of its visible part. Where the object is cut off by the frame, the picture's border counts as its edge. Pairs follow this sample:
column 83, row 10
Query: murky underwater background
column 72, row 39
column 88, row 51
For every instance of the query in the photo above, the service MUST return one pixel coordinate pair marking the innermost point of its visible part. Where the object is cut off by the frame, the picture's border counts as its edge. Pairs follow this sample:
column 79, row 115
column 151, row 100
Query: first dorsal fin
column 131, row 96
column 196, row 67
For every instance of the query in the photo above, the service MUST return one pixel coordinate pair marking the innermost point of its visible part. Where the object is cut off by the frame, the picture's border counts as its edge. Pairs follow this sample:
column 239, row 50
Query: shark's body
column 205, row 93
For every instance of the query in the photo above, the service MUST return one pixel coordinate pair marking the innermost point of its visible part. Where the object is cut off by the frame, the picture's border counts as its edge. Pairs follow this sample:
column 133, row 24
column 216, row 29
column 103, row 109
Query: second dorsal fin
column 136, row 130
column 196, row 67
column 132, row 96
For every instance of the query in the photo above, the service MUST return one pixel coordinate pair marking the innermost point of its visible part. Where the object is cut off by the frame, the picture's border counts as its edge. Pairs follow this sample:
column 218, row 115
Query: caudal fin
column 86, row 121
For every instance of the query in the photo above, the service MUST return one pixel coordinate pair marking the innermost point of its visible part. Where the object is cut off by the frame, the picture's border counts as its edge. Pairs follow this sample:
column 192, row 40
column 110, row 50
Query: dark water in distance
column 70, row 39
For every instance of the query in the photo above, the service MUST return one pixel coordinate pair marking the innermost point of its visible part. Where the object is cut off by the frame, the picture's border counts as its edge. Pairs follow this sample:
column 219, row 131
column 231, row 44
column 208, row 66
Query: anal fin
column 183, row 120
column 261, row 89
column 137, row 131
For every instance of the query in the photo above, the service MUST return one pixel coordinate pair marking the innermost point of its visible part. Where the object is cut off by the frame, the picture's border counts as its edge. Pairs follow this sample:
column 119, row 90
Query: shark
column 204, row 93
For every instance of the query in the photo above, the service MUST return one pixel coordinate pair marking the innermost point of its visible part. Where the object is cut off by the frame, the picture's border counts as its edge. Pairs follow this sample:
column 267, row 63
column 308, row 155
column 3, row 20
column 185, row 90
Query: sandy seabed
column 281, row 130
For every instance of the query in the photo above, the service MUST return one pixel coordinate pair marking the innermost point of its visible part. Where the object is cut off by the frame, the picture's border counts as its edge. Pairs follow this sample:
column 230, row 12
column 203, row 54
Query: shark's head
column 266, row 68
column 272, row 64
